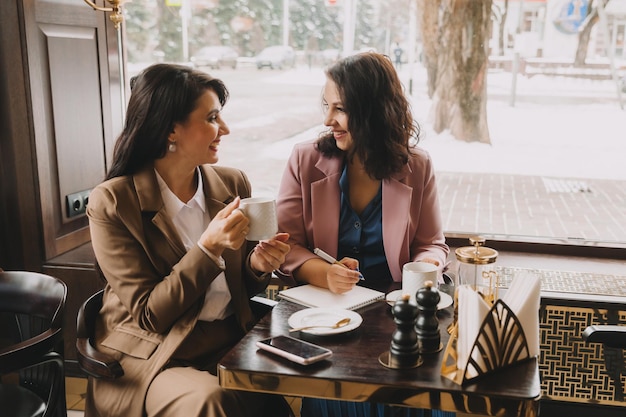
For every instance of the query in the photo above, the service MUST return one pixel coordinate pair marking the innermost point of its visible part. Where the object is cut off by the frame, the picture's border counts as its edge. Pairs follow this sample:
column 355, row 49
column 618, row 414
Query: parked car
column 276, row 57
column 215, row 57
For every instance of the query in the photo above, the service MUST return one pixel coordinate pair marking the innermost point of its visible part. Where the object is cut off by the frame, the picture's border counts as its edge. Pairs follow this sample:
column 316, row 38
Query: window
column 554, row 168
column 619, row 32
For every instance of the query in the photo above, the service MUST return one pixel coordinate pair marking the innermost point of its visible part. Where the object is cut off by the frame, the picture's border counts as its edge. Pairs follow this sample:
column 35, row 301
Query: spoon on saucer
column 343, row 322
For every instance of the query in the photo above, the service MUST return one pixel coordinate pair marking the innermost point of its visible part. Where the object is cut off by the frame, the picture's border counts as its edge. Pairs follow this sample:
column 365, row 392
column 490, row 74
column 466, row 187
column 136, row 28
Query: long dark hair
column 161, row 96
column 379, row 115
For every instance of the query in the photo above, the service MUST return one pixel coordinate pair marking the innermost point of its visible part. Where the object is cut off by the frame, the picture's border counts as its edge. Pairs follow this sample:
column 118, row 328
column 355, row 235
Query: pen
column 332, row 260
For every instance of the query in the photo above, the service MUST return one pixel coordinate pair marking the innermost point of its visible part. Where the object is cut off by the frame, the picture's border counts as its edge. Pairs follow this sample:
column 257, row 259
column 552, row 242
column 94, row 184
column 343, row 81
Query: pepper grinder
column 427, row 323
column 404, row 350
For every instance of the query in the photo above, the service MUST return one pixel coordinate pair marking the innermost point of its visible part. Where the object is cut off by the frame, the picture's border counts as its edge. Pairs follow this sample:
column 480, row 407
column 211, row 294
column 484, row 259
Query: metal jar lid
column 476, row 254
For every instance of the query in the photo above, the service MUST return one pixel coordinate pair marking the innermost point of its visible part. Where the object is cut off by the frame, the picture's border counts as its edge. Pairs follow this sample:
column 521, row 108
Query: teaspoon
column 340, row 323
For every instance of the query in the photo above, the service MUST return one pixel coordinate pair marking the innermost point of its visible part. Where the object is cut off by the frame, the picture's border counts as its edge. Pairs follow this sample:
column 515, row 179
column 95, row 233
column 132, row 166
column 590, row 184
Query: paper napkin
column 522, row 299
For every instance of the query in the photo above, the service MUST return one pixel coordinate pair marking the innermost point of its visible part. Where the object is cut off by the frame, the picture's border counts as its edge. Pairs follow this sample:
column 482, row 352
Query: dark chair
column 100, row 365
column 93, row 362
column 613, row 340
column 613, row 336
column 31, row 345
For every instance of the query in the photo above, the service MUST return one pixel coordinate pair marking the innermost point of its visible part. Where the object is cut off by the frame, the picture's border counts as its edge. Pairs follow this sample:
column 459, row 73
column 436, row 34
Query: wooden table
column 354, row 373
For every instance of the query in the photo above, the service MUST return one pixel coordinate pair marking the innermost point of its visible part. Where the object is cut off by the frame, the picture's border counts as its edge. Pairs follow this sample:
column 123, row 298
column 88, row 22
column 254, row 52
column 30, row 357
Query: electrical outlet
column 76, row 203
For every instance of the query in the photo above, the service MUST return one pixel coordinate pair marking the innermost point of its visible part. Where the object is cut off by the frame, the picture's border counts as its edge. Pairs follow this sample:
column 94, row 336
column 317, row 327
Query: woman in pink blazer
column 363, row 169
column 361, row 192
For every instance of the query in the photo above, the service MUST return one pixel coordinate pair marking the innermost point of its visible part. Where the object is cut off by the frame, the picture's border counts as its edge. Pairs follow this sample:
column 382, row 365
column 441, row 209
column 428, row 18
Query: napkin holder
column 501, row 342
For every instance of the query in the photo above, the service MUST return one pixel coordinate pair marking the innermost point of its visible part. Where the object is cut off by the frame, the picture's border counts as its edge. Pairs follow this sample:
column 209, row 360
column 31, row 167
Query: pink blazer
column 308, row 207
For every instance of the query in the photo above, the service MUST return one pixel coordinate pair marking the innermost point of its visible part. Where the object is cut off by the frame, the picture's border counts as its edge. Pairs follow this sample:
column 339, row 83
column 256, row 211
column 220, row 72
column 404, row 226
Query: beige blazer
column 309, row 202
column 155, row 288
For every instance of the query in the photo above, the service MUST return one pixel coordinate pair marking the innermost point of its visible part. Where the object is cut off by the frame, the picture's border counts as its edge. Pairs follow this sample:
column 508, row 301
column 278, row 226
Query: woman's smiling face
column 336, row 116
column 198, row 137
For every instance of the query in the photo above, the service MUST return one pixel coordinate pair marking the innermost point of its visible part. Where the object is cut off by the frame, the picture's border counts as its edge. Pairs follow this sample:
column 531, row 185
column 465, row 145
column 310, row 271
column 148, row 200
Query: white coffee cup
column 415, row 275
column 261, row 212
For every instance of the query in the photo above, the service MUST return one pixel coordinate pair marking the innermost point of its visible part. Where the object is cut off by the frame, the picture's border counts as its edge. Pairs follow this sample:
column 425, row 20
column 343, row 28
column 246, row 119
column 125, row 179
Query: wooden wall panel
column 76, row 106
column 72, row 114
column 20, row 243
column 60, row 109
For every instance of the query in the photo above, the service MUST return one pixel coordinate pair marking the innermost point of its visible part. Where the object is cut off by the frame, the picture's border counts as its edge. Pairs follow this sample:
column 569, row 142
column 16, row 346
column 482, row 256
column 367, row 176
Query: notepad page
column 313, row 296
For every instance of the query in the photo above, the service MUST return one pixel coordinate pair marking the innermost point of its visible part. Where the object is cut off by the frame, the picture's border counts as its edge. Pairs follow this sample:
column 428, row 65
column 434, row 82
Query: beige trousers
column 186, row 391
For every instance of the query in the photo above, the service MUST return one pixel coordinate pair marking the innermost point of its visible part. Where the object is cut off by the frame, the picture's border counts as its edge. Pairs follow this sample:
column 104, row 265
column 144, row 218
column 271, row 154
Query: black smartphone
column 295, row 350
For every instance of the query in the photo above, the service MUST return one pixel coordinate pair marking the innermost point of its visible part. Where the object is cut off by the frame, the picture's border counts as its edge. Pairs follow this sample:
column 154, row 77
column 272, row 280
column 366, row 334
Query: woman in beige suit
column 171, row 244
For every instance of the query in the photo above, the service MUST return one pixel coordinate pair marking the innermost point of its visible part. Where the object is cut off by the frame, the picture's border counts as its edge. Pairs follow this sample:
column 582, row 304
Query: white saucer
column 444, row 302
column 324, row 317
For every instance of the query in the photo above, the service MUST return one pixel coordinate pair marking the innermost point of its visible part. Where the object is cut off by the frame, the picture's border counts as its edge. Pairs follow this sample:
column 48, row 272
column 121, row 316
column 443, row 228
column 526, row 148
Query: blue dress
column 361, row 238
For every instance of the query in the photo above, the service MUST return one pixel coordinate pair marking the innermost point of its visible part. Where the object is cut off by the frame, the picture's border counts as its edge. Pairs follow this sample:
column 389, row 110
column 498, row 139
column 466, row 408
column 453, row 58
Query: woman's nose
column 224, row 129
column 328, row 119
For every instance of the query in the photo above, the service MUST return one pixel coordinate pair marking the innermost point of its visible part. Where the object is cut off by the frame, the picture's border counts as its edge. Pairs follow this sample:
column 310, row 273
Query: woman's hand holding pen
column 325, row 271
column 340, row 280
column 343, row 275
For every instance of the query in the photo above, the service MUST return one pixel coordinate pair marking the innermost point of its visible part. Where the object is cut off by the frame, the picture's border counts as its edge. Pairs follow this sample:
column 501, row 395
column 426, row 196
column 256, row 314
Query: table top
column 354, row 372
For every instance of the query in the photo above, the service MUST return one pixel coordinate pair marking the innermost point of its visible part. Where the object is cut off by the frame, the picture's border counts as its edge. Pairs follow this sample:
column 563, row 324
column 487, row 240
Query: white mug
column 261, row 212
column 415, row 275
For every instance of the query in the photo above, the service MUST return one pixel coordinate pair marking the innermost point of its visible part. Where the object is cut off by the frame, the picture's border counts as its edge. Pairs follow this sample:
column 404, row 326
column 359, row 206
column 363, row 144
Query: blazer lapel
column 216, row 193
column 326, row 204
column 151, row 204
column 396, row 213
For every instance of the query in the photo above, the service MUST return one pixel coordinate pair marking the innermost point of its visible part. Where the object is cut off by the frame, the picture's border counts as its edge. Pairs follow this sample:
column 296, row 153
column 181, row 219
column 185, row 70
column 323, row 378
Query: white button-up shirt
column 190, row 220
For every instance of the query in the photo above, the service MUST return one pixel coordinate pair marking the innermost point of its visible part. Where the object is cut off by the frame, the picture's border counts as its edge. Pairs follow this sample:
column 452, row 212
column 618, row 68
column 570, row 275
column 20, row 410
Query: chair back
column 33, row 294
column 32, row 307
column 610, row 335
column 93, row 362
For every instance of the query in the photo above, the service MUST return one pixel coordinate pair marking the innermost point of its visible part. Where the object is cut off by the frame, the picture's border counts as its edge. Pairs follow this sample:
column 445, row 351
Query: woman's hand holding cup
column 227, row 230
column 270, row 254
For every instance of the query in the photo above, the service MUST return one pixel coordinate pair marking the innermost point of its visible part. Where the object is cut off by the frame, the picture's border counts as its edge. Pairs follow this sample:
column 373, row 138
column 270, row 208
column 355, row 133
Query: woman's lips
column 339, row 134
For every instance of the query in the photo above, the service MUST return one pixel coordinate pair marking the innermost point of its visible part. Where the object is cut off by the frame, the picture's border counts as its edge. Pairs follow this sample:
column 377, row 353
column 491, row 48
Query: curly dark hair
column 161, row 96
column 380, row 120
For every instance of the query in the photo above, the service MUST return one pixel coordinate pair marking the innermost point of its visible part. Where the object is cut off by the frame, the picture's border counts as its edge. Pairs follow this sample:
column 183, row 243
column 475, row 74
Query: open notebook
column 312, row 296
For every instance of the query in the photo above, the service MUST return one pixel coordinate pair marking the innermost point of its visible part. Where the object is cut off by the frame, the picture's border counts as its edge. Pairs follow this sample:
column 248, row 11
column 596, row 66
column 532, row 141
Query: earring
column 172, row 147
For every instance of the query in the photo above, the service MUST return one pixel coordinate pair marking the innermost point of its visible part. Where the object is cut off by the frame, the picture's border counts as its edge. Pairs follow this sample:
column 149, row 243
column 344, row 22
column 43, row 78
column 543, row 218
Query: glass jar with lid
column 476, row 268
